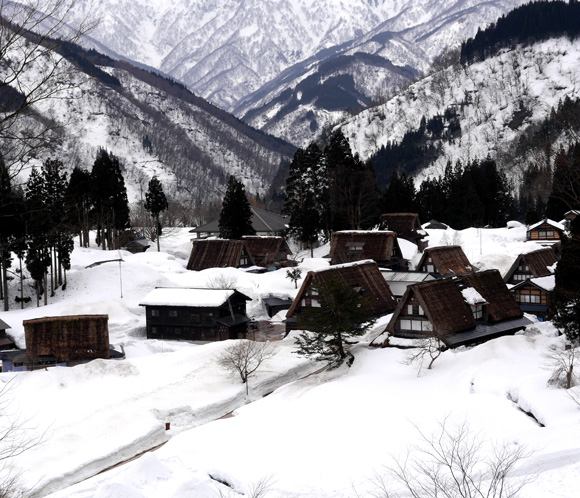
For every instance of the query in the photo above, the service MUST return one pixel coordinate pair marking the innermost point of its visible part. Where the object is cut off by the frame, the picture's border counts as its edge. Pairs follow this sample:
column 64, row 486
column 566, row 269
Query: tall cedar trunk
column 157, row 231
column 52, row 268
column 21, row 285
column 37, row 294
column 85, row 228
column 45, row 289
column 5, row 282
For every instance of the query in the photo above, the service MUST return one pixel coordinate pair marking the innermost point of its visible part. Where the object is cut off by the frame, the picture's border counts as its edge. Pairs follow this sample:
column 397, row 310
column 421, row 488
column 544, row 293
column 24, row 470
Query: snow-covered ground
column 329, row 434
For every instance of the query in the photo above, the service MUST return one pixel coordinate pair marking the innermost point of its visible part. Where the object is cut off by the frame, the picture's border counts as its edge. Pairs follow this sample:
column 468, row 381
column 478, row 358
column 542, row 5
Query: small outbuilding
column 357, row 245
column 219, row 253
column 444, row 261
column 5, row 341
column 269, row 252
column 407, row 226
column 545, row 232
column 535, row 296
column 195, row 314
column 364, row 276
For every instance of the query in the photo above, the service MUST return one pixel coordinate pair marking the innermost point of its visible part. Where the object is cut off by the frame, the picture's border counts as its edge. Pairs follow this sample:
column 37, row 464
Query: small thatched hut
column 406, row 225
column 218, row 253
column 445, row 260
column 357, row 245
column 68, row 338
column 268, row 251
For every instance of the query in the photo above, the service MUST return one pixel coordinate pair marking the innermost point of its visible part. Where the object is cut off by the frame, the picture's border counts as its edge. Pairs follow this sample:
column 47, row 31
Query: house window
column 430, row 268
column 519, row 277
column 315, row 303
column 409, row 309
column 154, row 330
column 173, row 313
column 178, row 331
column 531, row 296
column 477, row 311
column 154, row 312
column 195, row 318
column 355, row 247
column 416, row 325
column 421, row 312
column 523, row 267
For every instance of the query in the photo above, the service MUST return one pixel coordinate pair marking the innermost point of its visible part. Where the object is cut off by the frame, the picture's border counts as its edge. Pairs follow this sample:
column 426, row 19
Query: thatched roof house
column 268, row 251
column 358, row 245
column 68, row 338
column 364, row 275
column 461, row 310
column 406, row 225
column 535, row 296
column 5, row 341
column 264, row 223
column 537, row 263
column 445, row 260
column 218, row 253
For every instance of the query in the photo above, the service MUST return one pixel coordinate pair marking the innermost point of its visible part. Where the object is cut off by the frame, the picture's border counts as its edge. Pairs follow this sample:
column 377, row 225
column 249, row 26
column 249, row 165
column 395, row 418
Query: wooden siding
column 68, row 338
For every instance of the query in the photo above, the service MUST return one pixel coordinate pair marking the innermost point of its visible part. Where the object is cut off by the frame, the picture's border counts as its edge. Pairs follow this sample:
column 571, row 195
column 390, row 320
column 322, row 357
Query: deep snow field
column 328, row 434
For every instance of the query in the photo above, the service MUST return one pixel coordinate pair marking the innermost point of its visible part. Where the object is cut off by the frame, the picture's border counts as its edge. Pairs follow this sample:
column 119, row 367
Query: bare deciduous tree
column 428, row 348
column 244, row 357
column 34, row 36
column 453, row 462
column 562, row 361
column 222, row 281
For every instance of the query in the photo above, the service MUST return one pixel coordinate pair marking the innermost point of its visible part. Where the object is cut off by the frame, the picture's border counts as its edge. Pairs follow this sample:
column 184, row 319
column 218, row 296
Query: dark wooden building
column 407, row 226
column 264, row 223
column 461, row 310
column 219, row 253
column 5, row 341
column 362, row 275
column 545, row 232
column 444, row 260
column 533, row 264
column 195, row 314
column 130, row 241
column 270, row 252
column 357, row 245
column 535, row 296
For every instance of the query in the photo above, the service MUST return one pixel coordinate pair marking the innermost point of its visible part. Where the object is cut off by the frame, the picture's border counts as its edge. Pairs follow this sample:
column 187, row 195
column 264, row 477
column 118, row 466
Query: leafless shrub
column 258, row 489
column 562, row 362
column 453, row 462
column 244, row 357
column 222, row 281
column 429, row 348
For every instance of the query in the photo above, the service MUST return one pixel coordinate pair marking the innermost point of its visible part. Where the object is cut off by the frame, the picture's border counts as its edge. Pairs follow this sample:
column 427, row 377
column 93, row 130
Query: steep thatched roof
column 402, row 223
column 447, row 260
column 216, row 253
column 500, row 303
column 375, row 245
column 443, row 304
column 363, row 274
column 266, row 250
column 538, row 262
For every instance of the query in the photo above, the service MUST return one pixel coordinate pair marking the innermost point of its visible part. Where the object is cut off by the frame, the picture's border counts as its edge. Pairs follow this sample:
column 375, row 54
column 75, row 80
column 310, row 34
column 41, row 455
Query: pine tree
column 78, row 204
column 343, row 313
column 567, row 291
column 236, row 215
column 155, row 202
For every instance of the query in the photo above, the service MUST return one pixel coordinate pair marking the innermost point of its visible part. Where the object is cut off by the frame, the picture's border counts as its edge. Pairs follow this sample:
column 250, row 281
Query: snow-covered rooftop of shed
column 471, row 296
column 179, row 296
column 547, row 283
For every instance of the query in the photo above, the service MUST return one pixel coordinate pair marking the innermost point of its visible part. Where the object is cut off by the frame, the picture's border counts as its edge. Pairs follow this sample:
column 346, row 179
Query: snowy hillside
column 327, row 435
column 497, row 102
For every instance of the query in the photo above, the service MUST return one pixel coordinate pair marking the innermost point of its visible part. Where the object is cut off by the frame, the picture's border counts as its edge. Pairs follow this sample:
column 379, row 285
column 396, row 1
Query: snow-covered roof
column 471, row 296
column 547, row 283
column 345, row 265
column 178, row 296
column 555, row 224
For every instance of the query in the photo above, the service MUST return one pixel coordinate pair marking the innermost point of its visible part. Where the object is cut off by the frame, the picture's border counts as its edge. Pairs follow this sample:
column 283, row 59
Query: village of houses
column 424, row 280
column 430, row 291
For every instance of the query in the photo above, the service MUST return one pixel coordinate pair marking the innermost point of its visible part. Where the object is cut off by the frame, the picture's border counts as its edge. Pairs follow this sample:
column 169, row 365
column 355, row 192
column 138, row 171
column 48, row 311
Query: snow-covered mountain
column 156, row 126
column 499, row 105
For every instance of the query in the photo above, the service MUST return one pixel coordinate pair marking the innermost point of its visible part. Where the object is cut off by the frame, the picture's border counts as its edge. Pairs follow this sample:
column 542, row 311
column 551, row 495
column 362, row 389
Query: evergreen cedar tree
column 109, row 196
column 567, row 290
column 343, row 314
column 155, row 202
column 565, row 193
column 236, row 215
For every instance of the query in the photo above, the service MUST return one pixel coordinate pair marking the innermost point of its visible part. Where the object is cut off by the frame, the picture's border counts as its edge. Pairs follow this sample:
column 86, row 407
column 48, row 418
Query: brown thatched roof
column 363, row 274
column 537, row 261
column 216, row 253
column 400, row 222
column 447, row 260
column 80, row 337
column 377, row 245
column 266, row 250
column 443, row 304
column 500, row 303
